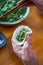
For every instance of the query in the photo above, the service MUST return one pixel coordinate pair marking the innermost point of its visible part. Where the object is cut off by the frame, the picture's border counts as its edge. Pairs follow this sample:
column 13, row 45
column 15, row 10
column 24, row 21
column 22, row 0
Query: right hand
column 37, row 3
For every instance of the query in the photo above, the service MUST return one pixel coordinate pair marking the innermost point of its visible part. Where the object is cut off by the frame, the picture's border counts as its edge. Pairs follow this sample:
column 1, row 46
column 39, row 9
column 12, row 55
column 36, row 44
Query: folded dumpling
column 20, row 34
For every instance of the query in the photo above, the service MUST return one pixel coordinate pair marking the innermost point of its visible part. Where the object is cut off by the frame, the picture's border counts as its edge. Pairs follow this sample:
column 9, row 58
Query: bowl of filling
column 13, row 18
column 20, row 34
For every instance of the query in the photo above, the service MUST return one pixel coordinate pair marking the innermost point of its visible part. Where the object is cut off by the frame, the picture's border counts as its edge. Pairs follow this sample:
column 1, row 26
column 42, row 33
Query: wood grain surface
column 35, row 22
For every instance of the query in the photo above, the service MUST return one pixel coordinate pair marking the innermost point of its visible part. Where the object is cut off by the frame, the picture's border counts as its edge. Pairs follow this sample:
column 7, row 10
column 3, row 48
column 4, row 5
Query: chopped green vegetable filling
column 21, row 35
column 6, row 5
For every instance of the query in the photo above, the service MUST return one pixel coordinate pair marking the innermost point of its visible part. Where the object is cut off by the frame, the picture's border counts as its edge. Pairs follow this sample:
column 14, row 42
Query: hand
column 26, row 52
column 37, row 3
column 30, row 3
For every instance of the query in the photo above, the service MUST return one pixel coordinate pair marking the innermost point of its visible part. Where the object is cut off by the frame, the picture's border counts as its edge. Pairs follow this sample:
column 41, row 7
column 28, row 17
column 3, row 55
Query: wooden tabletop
column 35, row 22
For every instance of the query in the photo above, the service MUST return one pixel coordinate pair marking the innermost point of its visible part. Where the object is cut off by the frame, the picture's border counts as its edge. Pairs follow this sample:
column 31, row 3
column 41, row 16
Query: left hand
column 26, row 52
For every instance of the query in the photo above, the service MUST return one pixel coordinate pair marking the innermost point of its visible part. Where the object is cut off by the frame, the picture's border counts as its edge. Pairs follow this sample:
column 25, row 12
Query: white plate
column 18, row 21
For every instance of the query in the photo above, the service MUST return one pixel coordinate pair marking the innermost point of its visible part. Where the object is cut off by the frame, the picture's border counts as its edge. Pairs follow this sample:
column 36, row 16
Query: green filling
column 6, row 5
column 21, row 35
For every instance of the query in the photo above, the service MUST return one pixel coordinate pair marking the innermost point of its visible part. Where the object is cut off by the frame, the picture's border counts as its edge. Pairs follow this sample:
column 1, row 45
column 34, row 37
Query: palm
column 26, row 52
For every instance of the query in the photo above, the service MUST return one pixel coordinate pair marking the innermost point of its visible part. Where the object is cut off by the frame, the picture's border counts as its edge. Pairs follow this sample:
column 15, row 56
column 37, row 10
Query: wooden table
column 35, row 22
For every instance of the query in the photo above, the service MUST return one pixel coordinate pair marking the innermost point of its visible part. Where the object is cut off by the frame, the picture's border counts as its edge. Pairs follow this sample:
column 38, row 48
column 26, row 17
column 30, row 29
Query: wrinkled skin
column 26, row 52
column 37, row 3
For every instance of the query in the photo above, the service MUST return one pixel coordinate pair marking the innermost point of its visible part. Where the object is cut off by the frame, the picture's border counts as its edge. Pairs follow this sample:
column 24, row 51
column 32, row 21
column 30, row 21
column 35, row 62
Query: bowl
column 3, row 40
column 18, row 21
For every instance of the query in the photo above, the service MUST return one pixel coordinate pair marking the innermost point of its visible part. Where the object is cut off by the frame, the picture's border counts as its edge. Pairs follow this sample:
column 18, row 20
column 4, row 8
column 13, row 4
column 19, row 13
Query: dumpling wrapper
column 16, row 33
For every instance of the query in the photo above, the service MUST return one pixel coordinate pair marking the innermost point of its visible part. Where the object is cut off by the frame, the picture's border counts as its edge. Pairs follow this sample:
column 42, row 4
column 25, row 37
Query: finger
column 20, row 2
column 17, row 50
column 30, row 54
column 26, row 51
column 28, row 5
column 29, row 39
column 26, row 42
column 19, row 53
column 25, row 45
column 33, row 56
column 16, row 47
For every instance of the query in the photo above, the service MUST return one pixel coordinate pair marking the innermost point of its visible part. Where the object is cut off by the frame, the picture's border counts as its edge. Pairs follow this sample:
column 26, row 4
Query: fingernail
column 25, row 44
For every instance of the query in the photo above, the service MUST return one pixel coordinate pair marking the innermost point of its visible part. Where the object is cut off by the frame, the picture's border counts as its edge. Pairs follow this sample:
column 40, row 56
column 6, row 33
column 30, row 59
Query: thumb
column 26, row 44
column 21, row 1
column 29, row 39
